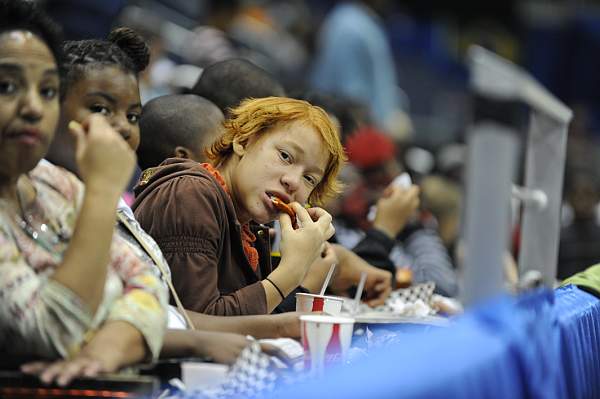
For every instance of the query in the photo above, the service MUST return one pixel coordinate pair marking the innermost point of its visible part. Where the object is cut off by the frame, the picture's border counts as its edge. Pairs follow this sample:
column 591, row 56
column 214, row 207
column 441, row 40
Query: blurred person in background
column 348, row 113
column 354, row 58
column 238, row 29
column 443, row 198
column 401, row 234
column 578, row 247
column 157, row 78
column 164, row 73
column 228, row 83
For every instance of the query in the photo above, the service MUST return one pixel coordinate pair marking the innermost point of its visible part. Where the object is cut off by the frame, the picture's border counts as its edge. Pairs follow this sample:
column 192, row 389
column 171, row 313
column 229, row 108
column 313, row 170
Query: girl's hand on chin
column 105, row 161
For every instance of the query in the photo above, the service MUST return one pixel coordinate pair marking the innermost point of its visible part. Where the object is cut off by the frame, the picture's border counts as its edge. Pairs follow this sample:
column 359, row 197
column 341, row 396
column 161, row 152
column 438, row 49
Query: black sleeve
column 289, row 303
column 375, row 248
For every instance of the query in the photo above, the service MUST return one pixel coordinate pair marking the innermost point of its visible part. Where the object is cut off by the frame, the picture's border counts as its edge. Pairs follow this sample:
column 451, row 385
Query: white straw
column 326, row 282
column 359, row 290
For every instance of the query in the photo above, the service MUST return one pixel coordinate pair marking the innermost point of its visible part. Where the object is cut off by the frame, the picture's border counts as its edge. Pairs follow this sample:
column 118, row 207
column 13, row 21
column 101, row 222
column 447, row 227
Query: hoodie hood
column 169, row 169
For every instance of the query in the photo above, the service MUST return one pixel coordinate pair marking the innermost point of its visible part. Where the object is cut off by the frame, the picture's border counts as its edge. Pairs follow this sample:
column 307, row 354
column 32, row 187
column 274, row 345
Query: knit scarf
column 247, row 237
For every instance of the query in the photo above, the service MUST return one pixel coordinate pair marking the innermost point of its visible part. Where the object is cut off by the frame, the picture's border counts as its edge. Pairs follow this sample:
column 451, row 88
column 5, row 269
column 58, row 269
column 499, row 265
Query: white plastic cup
column 319, row 303
column 326, row 341
column 199, row 375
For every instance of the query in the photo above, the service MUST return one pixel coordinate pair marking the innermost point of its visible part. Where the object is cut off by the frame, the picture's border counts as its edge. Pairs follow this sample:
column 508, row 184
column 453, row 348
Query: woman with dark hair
column 70, row 287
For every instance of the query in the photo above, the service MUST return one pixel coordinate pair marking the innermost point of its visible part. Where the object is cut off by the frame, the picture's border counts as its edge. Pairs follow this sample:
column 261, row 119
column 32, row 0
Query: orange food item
column 403, row 277
column 283, row 207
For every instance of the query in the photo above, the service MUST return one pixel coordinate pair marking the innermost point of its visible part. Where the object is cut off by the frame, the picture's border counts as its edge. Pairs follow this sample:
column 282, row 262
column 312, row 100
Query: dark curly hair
column 26, row 15
column 124, row 48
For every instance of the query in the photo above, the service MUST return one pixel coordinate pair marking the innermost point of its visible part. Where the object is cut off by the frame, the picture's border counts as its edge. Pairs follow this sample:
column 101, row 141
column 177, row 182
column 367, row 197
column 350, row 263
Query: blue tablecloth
column 506, row 348
column 578, row 316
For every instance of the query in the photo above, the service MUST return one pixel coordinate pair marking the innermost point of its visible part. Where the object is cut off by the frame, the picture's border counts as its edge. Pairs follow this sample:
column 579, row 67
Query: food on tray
column 403, row 277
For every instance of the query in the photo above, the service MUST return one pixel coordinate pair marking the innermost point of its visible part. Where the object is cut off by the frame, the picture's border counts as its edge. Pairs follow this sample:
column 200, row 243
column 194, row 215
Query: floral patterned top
column 41, row 317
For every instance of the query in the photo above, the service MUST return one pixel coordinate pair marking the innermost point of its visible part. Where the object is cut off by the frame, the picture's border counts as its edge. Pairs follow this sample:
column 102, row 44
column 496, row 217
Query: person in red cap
column 373, row 153
column 393, row 236
column 368, row 148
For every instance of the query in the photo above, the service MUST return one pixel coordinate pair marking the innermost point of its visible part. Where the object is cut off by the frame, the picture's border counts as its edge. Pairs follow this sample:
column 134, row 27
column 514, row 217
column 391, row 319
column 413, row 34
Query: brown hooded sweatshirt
column 192, row 219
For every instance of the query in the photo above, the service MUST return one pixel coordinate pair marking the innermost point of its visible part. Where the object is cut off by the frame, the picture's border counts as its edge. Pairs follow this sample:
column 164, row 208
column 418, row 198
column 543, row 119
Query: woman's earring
column 239, row 149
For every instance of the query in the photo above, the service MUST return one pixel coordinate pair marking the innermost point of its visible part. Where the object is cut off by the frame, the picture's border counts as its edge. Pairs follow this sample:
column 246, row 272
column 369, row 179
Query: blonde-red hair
column 254, row 117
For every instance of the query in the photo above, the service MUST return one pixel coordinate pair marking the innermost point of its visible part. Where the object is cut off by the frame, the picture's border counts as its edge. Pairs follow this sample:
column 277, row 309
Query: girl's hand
column 301, row 247
column 105, row 161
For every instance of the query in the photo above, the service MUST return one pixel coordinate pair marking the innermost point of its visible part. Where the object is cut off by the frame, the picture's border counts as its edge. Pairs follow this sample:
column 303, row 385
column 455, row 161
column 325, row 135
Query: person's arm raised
column 105, row 163
column 395, row 208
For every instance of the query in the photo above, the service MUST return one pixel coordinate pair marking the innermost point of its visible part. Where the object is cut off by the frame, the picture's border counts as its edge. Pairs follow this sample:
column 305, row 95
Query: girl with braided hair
column 95, row 68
